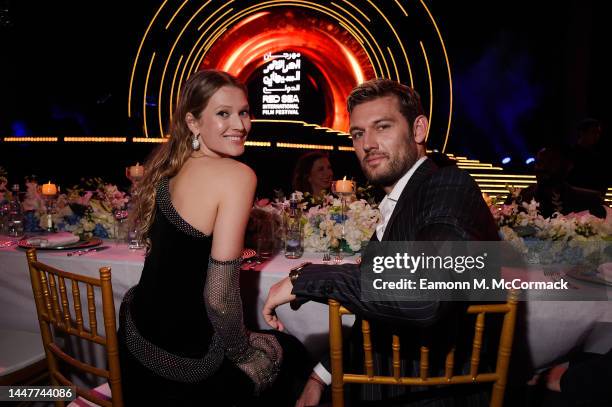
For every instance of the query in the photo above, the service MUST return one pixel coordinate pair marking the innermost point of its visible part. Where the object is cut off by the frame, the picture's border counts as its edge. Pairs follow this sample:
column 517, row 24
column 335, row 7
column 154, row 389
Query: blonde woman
column 182, row 335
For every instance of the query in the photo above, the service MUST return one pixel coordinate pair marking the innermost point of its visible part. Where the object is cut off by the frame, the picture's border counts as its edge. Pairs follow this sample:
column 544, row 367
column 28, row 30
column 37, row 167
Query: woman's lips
column 235, row 138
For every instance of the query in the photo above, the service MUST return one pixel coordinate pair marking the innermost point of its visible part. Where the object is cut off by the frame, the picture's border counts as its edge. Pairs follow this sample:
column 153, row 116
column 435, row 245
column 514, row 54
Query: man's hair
column 409, row 100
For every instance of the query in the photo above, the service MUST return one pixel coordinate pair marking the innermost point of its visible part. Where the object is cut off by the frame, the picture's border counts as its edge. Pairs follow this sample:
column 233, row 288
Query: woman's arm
column 257, row 355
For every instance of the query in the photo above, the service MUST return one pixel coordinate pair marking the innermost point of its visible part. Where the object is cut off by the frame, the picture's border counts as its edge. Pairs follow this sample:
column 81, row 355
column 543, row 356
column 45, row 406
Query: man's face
column 382, row 140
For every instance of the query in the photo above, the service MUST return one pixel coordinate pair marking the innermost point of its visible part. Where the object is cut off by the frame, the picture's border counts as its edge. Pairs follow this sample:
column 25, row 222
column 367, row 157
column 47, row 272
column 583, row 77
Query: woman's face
column 321, row 175
column 223, row 124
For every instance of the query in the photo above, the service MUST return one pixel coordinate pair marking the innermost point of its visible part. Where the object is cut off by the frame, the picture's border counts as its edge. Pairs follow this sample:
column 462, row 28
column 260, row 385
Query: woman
column 182, row 336
column 313, row 173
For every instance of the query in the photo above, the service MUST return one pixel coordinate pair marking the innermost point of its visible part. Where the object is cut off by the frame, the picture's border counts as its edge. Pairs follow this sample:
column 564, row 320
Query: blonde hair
column 168, row 158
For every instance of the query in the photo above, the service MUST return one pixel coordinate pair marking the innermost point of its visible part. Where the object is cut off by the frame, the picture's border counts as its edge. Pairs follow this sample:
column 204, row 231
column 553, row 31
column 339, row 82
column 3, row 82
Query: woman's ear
column 192, row 122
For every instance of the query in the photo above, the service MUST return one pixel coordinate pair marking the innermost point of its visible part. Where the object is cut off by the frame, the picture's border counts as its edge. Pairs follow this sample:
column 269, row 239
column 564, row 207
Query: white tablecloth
column 553, row 328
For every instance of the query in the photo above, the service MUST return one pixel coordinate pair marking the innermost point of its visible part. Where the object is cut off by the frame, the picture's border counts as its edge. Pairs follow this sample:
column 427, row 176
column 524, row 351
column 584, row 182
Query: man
column 423, row 202
column 589, row 169
column 552, row 191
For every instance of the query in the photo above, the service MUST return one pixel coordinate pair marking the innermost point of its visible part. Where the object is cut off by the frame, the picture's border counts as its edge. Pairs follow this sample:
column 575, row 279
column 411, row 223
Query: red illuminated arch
column 340, row 59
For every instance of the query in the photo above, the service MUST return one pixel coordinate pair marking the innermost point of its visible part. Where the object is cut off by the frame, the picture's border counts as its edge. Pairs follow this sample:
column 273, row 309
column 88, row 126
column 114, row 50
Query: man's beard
column 397, row 167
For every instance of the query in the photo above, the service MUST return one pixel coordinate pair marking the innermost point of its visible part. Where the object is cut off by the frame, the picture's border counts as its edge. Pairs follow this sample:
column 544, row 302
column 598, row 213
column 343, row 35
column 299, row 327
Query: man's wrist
column 295, row 272
column 317, row 379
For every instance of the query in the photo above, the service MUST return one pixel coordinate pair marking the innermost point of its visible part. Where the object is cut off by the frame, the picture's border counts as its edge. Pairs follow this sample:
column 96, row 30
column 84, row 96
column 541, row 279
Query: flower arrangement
column 85, row 210
column 323, row 229
column 323, row 222
column 564, row 239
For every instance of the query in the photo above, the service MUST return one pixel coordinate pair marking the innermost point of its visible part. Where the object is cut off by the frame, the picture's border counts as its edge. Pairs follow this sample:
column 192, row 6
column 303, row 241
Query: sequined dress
column 168, row 309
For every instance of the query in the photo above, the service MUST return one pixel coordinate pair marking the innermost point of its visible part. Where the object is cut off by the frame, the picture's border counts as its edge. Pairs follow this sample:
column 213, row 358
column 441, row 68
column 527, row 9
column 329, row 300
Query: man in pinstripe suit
column 422, row 203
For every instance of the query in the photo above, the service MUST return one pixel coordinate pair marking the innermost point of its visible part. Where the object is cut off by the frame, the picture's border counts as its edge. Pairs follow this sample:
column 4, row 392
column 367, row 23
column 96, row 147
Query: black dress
column 168, row 309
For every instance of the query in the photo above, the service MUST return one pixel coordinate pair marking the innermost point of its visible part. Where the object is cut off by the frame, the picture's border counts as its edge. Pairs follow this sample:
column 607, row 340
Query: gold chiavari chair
column 498, row 377
column 53, row 306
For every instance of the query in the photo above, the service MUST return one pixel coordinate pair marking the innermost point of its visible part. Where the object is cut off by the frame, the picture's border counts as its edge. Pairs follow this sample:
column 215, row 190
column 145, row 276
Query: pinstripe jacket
column 437, row 204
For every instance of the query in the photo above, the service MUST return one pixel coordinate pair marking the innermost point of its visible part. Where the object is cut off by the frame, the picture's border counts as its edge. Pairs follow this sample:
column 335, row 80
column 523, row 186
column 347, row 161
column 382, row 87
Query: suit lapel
column 421, row 174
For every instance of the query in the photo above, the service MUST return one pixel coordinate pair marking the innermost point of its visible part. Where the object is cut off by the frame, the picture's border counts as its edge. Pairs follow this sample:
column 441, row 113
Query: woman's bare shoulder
column 223, row 173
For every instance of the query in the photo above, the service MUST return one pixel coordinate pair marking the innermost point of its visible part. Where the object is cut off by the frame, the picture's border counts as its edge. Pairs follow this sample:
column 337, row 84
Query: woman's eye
column 244, row 113
column 223, row 114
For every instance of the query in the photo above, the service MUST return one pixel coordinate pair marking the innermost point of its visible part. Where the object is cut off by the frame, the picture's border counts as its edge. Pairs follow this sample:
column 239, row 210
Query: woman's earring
column 195, row 143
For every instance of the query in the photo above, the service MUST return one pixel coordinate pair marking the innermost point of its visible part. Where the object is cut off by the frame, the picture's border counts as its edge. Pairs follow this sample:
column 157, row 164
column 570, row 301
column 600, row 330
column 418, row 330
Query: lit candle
column 49, row 189
column 136, row 171
column 344, row 185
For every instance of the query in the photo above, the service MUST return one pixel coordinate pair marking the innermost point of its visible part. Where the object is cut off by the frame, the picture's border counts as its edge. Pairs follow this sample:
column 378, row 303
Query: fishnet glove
column 257, row 355
column 263, row 361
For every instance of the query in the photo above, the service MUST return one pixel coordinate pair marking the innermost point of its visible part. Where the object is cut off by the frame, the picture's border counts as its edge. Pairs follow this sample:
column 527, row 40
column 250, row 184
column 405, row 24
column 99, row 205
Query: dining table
column 551, row 329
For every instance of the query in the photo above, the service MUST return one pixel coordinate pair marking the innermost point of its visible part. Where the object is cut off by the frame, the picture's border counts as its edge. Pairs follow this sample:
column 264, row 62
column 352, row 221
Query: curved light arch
column 358, row 18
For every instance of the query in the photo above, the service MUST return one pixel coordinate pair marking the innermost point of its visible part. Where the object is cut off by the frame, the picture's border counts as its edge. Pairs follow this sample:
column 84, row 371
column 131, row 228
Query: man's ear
column 420, row 129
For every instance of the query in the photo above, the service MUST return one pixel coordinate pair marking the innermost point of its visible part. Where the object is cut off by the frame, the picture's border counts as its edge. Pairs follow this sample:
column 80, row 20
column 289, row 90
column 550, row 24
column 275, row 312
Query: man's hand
column 280, row 293
column 553, row 380
column 311, row 395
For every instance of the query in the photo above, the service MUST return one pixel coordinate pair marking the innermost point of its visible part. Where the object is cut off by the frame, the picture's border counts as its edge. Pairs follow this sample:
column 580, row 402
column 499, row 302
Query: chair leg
column 335, row 345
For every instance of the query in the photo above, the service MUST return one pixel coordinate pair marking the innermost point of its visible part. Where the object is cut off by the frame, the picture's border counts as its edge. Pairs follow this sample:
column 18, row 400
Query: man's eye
column 357, row 135
column 382, row 127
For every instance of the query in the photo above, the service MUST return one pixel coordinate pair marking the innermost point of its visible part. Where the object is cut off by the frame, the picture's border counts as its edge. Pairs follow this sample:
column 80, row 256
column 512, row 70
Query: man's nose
column 369, row 141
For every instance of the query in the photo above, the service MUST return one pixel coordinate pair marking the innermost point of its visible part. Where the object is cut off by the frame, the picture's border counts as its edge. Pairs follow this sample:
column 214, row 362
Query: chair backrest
column 53, row 306
column 498, row 377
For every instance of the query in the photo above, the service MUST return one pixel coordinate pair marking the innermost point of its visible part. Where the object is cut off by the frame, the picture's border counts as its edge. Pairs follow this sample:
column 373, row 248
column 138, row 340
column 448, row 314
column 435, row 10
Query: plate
column 248, row 253
column 94, row 241
column 588, row 275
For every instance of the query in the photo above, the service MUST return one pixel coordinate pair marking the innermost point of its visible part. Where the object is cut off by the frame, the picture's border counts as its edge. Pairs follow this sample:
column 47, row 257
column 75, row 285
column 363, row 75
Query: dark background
column 524, row 74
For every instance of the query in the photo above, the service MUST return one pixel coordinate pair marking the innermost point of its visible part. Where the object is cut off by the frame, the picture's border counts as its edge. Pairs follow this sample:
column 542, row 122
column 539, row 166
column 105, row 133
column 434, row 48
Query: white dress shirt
column 386, row 207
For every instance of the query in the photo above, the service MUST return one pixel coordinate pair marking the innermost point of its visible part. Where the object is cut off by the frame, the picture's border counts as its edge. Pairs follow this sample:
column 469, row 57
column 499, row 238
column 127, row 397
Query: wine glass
column 120, row 214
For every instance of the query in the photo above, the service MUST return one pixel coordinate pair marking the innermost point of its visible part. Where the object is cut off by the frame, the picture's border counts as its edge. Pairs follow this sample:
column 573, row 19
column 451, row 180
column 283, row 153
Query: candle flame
column 344, row 179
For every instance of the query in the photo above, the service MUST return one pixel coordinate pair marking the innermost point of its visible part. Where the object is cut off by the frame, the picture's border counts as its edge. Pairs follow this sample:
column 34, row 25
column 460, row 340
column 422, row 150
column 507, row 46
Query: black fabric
column 228, row 387
column 437, row 204
column 168, row 309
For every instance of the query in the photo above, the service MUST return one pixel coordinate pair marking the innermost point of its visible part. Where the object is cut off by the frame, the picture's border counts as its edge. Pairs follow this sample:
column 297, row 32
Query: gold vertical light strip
column 400, row 6
column 339, row 17
column 204, row 49
column 193, row 48
column 171, row 104
column 397, row 77
column 398, row 40
column 178, row 10
column 450, row 79
column 144, row 102
column 163, row 76
column 216, row 34
column 354, row 34
column 430, row 87
column 210, row 44
column 358, row 10
column 138, row 56
column 215, row 12
column 305, row 4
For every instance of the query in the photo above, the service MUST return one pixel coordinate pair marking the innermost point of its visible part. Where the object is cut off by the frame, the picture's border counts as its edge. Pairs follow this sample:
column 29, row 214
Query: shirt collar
column 401, row 184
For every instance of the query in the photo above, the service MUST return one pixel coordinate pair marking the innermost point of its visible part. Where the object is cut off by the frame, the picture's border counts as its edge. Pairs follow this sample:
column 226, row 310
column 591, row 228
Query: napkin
column 53, row 239
column 606, row 271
